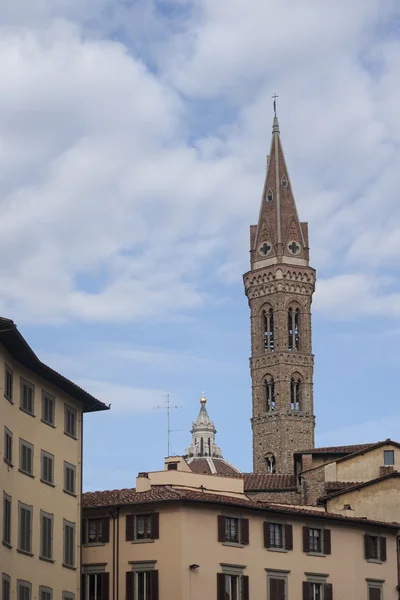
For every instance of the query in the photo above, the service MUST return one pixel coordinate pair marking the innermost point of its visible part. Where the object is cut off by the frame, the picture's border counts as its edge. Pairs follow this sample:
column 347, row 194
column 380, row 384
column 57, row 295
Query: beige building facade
column 185, row 536
column 40, row 474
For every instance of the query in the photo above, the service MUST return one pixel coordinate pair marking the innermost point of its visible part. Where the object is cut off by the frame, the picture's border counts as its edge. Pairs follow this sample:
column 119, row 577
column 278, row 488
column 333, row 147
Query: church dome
column 203, row 455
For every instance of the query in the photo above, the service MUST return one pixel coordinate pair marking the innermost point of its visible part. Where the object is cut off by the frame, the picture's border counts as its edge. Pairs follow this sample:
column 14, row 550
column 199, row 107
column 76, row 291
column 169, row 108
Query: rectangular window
column 47, row 408
column 5, row 587
column 142, row 585
column 69, row 478
column 25, row 457
column 388, row 456
column 317, row 588
column 96, row 531
column 276, row 535
column 45, row 593
column 69, row 544
column 7, row 519
column 8, row 383
column 232, row 530
column 68, row 596
column 24, row 590
column 27, row 396
column 47, row 467
column 25, row 528
column 375, row 591
column 142, row 527
column 46, row 535
column 95, row 586
column 375, row 547
column 7, row 446
column 70, row 421
column 315, row 537
column 276, row 587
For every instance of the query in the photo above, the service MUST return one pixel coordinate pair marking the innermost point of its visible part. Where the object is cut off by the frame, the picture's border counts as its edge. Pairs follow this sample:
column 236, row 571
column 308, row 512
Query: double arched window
column 268, row 322
column 270, row 463
column 296, row 389
column 269, row 385
column 293, row 328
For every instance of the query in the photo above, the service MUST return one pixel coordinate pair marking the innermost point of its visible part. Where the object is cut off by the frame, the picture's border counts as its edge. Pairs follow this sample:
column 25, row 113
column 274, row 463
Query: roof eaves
column 393, row 474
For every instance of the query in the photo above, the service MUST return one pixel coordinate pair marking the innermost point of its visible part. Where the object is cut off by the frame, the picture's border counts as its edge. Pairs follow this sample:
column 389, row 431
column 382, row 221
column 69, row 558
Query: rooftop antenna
column 168, row 408
column 275, row 96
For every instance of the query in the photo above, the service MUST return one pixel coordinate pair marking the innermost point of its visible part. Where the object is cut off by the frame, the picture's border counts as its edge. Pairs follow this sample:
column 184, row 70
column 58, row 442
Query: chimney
column 143, row 482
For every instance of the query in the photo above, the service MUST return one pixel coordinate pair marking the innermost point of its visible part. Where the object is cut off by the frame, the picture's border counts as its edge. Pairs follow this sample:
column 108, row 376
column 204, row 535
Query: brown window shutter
column 153, row 585
column 155, row 526
column 281, row 589
column 327, row 541
column 307, row 590
column 328, row 591
column 83, row 587
column 382, row 541
column 129, row 585
column 105, row 535
column 220, row 586
column 105, row 586
column 83, row 531
column 245, row 587
column 221, row 528
column 244, row 531
column 367, row 552
column 273, row 589
column 130, row 527
column 306, row 539
column 266, row 535
column 374, row 594
column 288, row 537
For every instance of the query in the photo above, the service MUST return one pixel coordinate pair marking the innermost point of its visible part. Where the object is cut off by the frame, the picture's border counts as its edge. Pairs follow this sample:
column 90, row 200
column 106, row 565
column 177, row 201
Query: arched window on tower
column 269, row 393
column 270, row 195
column 270, row 463
column 284, row 181
column 295, row 393
column 293, row 328
column 268, row 320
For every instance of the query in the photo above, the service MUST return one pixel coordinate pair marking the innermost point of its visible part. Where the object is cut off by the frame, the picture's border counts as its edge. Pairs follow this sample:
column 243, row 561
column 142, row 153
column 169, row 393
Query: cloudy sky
column 133, row 142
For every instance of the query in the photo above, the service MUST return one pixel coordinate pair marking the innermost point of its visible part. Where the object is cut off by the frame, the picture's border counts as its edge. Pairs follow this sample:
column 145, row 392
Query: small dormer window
column 284, row 181
column 388, row 457
column 172, row 466
column 270, row 196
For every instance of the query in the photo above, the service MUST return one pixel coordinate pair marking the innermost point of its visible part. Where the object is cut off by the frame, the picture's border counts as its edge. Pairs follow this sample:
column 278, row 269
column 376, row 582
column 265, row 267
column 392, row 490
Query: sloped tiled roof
column 358, row 486
column 340, row 485
column 338, row 449
column 268, row 482
column 165, row 493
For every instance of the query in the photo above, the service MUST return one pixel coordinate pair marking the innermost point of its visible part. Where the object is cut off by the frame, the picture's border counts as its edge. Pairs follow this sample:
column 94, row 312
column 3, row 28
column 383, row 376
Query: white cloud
column 124, row 399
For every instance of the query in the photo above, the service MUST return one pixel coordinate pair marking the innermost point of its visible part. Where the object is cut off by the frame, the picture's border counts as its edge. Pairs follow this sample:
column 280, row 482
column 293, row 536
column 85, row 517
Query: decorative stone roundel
column 265, row 248
column 294, row 247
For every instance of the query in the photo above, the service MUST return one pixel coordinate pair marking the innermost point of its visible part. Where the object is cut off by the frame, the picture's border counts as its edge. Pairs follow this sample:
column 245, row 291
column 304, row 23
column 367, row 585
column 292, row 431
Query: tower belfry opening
column 279, row 287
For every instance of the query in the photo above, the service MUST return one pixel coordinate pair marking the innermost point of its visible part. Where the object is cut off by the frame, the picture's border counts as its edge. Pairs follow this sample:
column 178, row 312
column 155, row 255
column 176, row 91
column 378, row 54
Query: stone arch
column 296, row 391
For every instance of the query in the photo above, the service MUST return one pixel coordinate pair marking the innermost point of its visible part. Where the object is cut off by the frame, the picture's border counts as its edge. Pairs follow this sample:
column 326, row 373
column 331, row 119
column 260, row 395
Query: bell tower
column 279, row 288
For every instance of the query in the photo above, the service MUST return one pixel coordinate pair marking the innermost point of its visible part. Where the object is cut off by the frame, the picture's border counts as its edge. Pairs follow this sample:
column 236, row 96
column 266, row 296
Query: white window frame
column 138, row 568
column 49, row 517
column 25, row 383
column 69, row 467
column 24, row 443
column 47, row 396
column 9, row 370
column 45, row 593
column 44, row 454
column 5, row 579
column 278, row 574
column 8, row 447
column 28, row 508
column 72, row 410
column 24, row 584
column 69, row 524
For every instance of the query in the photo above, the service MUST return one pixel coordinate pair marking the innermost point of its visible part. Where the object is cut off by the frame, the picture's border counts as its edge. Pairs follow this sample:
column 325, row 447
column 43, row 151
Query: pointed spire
column 279, row 235
column 203, row 434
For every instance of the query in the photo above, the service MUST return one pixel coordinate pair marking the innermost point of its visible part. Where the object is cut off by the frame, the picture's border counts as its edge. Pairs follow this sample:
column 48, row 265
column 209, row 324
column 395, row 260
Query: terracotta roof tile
column 339, row 485
column 269, row 481
column 338, row 449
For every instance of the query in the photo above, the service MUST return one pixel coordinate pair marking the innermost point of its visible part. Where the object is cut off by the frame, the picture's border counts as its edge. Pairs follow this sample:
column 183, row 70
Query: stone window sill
column 73, row 437
column 8, row 463
column 49, row 560
column 70, row 493
column 48, row 483
column 27, row 412
column 47, row 423
column 233, row 544
column 273, row 549
column 9, row 399
column 7, row 545
column 321, row 554
column 24, row 552
column 26, row 473
column 69, row 567
column 145, row 541
column 93, row 544
column 376, row 561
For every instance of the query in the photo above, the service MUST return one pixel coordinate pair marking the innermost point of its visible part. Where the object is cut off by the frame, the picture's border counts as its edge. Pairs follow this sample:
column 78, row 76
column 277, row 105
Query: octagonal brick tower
column 279, row 288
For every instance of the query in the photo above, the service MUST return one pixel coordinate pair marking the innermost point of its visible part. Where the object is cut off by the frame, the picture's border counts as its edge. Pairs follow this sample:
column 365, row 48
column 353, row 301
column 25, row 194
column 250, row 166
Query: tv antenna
column 168, row 407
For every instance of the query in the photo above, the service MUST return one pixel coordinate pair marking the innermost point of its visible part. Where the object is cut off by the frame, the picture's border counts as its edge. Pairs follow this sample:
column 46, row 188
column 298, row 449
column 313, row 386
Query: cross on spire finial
column 275, row 96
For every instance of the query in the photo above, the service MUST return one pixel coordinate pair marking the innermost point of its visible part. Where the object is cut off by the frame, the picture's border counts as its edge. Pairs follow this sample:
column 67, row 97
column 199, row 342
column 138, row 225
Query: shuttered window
column 27, row 396
column 142, row 527
column 276, row 588
column 8, row 387
column 7, row 445
column 69, row 544
column 96, row 531
column 46, row 535
column 233, row 530
column 142, row 585
column 96, row 586
column 375, row 547
column 25, row 457
column 48, row 403
column 6, row 519
column 316, row 541
column 69, row 478
column 70, row 421
column 375, row 592
column 45, row 593
column 232, row 587
column 317, row 590
column 25, row 528
column 5, row 587
column 277, row 535
column 24, row 590
column 47, row 467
